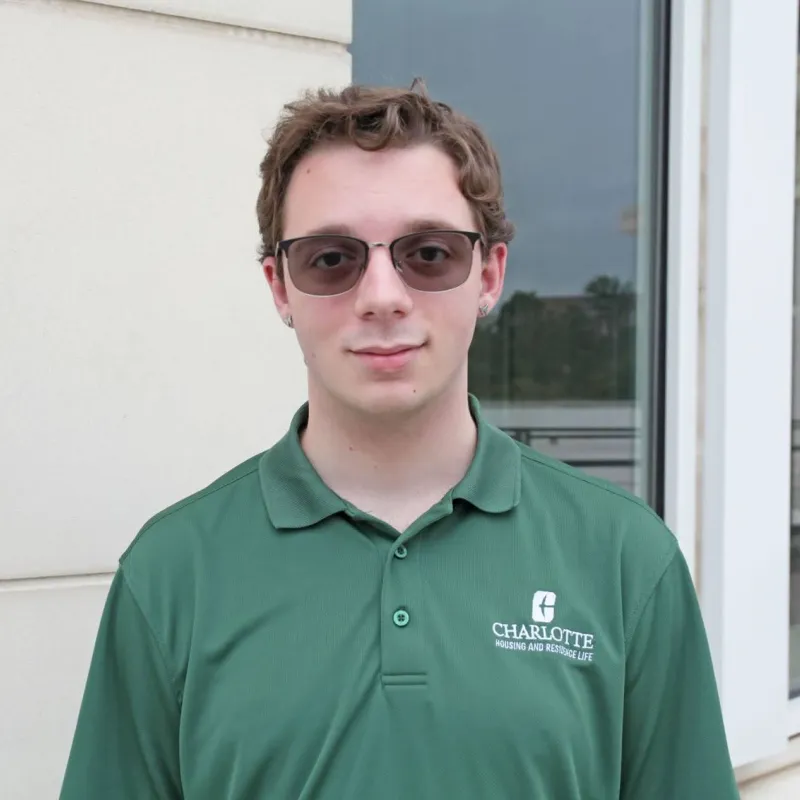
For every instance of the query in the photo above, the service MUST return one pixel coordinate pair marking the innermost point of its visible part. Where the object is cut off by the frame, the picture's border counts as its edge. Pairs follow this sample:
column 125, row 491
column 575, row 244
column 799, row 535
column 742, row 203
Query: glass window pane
column 568, row 92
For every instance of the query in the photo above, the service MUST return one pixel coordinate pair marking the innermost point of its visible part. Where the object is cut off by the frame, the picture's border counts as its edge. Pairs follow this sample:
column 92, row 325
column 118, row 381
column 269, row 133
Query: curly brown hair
column 374, row 118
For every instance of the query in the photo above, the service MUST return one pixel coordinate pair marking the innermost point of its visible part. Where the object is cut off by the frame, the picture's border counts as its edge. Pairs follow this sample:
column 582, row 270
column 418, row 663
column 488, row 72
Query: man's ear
column 493, row 274
column 277, row 286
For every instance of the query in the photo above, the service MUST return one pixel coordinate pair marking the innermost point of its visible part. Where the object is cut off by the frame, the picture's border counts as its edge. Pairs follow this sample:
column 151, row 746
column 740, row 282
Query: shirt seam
column 638, row 612
column 160, row 647
column 181, row 504
column 533, row 457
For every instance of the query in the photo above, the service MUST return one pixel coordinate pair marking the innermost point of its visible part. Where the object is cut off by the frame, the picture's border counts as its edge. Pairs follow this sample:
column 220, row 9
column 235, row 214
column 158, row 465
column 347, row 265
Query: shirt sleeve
column 674, row 743
column 126, row 739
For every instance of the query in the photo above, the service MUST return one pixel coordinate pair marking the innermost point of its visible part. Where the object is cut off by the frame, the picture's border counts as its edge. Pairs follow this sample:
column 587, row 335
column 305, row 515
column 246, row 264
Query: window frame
column 683, row 249
column 733, row 97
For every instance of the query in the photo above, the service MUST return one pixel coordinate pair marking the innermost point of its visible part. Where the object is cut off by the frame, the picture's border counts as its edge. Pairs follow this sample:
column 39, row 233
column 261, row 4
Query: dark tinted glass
column 571, row 93
column 325, row 265
column 434, row 261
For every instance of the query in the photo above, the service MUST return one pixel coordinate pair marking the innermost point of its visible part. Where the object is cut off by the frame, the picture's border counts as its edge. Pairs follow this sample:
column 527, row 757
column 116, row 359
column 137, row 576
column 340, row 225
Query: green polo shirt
column 535, row 634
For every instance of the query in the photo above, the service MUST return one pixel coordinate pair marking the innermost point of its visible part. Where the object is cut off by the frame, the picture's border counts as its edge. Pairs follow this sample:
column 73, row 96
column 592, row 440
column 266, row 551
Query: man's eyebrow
column 413, row 226
column 333, row 228
column 431, row 224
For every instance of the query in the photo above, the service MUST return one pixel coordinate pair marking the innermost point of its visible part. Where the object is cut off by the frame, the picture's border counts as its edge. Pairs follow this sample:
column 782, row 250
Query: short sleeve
column 674, row 743
column 126, row 739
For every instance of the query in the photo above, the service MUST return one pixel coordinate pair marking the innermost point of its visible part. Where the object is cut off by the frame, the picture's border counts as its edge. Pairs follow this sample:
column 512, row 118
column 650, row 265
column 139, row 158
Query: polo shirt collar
column 493, row 480
column 296, row 497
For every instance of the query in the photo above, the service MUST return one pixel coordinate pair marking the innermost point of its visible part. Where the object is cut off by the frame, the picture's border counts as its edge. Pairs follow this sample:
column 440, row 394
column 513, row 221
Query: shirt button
column 400, row 618
column 400, row 551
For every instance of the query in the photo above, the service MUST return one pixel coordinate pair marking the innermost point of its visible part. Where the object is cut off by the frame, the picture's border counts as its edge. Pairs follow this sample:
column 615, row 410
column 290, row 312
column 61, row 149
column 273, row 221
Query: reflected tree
column 558, row 348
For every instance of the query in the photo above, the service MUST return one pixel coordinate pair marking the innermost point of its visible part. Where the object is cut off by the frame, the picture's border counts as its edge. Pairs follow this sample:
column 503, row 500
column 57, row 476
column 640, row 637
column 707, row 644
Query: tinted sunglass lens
column 434, row 261
column 325, row 265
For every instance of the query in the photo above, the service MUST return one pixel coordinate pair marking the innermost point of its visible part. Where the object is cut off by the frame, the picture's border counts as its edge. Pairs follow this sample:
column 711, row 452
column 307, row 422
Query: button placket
column 402, row 655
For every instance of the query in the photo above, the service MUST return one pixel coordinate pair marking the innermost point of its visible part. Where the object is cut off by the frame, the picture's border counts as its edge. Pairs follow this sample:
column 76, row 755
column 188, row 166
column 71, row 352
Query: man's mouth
column 383, row 350
column 387, row 358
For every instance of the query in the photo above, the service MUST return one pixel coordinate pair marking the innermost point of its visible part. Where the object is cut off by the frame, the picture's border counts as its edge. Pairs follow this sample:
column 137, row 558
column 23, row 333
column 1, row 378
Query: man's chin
column 389, row 399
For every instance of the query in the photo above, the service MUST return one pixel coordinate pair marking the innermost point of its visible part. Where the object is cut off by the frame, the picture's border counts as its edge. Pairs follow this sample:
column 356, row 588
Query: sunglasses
column 329, row 264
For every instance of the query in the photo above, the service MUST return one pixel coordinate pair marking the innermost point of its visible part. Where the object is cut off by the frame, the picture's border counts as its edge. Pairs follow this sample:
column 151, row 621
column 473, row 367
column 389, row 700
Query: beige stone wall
column 139, row 350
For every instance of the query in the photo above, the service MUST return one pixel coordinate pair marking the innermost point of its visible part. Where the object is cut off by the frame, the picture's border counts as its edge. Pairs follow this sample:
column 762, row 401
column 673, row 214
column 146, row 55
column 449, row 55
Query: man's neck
column 384, row 463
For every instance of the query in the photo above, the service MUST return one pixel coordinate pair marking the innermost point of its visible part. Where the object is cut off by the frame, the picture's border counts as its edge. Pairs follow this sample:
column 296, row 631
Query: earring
column 483, row 310
column 288, row 321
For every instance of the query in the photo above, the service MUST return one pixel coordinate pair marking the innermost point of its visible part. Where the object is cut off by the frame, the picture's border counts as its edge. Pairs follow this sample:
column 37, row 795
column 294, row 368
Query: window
column 571, row 94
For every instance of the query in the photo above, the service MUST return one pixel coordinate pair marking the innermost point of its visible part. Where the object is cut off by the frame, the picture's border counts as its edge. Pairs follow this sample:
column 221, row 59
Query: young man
column 397, row 600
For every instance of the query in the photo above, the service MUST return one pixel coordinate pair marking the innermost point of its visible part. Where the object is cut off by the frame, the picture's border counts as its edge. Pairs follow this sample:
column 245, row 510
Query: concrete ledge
column 757, row 777
column 329, row 20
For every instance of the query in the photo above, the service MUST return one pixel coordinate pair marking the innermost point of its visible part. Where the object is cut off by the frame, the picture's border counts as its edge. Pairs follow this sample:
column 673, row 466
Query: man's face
column 383, row 347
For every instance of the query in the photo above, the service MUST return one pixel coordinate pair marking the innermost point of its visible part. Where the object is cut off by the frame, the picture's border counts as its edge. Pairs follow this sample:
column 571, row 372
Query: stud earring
column 288, row 321
column 483, row 310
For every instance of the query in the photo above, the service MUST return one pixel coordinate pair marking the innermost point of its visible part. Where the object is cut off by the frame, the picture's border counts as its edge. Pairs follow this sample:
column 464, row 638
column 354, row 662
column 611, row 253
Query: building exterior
column 648, row 333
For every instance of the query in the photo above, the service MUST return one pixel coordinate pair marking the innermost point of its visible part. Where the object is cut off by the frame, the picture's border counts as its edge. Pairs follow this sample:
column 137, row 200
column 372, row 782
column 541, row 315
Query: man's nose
column 381, row 291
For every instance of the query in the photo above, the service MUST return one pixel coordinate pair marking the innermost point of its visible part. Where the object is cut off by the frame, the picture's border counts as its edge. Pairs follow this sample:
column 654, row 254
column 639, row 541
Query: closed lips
column 386, row 351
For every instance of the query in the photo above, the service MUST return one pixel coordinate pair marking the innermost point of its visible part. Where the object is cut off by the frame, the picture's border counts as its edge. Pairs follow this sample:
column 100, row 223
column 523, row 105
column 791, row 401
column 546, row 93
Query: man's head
column 382, row 329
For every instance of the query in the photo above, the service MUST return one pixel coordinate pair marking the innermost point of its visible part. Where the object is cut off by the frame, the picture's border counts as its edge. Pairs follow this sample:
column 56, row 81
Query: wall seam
column 55, row 582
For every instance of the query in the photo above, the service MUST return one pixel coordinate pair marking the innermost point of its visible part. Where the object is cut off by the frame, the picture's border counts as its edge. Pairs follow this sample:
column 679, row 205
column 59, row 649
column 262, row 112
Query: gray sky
column 555, row 84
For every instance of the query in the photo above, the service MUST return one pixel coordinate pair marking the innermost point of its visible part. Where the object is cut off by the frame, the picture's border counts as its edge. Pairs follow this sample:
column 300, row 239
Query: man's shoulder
column 191, row 515
column 606, row 509
column 580, row 485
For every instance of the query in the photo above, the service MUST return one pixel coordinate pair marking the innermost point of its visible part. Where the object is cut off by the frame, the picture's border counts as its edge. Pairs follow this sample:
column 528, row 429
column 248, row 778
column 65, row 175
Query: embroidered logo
column 543, row 637
column 544, row 606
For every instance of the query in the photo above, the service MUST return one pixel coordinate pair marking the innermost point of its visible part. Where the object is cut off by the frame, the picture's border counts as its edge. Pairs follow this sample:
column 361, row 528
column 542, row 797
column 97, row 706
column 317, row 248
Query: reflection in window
column 567, row 362
column 559, row 373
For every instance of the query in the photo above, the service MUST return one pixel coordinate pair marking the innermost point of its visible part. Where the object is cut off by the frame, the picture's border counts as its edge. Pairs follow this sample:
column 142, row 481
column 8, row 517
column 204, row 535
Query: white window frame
column 683, row 247
column 729, row 297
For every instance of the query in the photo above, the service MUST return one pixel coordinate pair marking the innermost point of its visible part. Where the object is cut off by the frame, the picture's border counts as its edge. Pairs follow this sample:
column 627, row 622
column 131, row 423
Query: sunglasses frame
column 282, row 248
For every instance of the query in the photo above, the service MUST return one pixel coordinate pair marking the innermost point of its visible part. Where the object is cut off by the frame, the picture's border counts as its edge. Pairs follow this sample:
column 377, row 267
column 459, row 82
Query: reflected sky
column 555, row 84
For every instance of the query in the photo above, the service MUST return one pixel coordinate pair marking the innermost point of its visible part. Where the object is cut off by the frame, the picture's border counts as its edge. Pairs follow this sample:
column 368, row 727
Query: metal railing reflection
column 552, row 438
column 605, row 452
